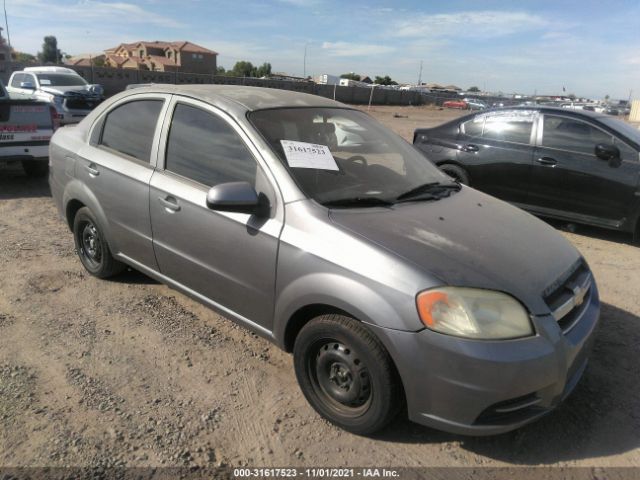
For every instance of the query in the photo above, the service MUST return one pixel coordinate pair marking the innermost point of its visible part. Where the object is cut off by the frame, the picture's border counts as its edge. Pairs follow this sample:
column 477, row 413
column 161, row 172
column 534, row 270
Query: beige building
column 162, row 57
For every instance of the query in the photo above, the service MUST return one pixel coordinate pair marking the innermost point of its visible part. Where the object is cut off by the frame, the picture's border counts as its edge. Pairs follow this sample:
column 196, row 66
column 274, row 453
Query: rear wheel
column 346, row 374
column 92, row 248
column 459, row 174
column 35, row 168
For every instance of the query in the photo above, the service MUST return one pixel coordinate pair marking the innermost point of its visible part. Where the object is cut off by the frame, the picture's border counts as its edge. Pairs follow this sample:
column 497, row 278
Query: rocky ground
column 128, row 372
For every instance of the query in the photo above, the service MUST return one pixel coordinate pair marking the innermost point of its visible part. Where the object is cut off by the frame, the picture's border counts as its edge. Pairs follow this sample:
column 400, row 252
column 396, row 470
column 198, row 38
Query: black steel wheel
column 346, row 374
column 92, row 247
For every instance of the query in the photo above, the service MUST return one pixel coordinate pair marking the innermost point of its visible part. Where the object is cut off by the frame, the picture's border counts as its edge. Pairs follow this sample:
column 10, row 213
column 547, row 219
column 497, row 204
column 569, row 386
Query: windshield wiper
column 358, row 202
column 429, row 191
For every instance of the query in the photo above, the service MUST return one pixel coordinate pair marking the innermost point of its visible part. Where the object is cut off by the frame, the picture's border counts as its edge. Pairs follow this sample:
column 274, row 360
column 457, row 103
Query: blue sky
column 591, row 47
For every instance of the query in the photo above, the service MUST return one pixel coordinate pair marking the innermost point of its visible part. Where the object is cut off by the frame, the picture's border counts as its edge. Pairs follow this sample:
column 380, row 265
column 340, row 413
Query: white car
column 70, row 94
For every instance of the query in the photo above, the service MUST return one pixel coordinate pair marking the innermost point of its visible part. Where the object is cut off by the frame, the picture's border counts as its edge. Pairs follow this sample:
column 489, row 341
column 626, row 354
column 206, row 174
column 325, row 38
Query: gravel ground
column 128, row 372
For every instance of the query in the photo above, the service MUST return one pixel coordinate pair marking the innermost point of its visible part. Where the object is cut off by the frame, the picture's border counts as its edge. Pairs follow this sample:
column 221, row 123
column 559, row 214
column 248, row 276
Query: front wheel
column 346, row 374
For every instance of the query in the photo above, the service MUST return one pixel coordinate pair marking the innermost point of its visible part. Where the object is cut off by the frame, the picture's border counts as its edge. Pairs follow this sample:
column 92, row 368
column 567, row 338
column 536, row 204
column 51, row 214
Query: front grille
column 569, row 296
column 82, row 103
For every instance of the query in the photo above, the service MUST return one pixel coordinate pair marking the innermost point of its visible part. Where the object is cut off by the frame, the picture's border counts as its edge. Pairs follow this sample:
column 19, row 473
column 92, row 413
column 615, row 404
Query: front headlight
column 473, row 313
column 56, row 99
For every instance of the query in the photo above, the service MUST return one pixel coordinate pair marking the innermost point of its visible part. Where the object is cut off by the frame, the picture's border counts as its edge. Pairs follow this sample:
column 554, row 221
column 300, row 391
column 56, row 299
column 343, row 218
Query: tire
column 91, row 246
column 35, row 168
column 459, row 174
column 346, row 374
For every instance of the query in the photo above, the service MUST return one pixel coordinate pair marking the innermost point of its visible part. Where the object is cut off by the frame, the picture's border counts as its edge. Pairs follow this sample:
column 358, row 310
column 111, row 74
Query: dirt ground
column 130, row 372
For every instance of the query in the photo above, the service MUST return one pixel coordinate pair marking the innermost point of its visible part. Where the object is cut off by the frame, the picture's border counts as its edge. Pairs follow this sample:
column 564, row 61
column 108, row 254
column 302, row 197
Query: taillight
column 55, row 121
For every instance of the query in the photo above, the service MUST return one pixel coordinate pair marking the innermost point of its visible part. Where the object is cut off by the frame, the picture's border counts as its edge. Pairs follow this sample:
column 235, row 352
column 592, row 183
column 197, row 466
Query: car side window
column 570, row 134
column 129, row 128
column 626, row 152
column 30, row 78
column 473, row 127
column 203, row 147
column 509, row 126
column 17, row 80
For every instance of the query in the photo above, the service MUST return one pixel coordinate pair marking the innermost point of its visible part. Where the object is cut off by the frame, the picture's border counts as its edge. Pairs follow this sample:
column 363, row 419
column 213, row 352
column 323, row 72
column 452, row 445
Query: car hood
column 71, row 90
column 470, row 239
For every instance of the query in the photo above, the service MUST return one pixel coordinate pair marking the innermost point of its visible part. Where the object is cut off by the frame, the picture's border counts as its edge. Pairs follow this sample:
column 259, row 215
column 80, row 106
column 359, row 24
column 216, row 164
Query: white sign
column 308, row 155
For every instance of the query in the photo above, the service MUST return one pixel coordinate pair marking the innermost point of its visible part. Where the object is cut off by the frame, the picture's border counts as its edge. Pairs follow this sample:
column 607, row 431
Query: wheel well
column 454, row 164
column 72, row 208
column 301, row 317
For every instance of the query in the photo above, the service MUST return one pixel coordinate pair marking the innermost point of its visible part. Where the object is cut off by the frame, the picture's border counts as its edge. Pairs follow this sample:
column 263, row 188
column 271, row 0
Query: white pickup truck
column 69, row 93
column 26, row 126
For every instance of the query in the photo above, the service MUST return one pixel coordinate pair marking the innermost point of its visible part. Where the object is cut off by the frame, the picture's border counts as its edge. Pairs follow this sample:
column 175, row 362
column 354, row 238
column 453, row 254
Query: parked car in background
column 461, row 104
column 310, row 223
column 611, row 110
column 568, row 164
column 70, row 94
column 25, row 130
column 473, row 104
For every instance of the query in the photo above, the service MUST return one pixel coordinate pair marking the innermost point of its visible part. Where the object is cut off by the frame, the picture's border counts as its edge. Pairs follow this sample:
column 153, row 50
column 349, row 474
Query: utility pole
column 304, row 61
column 6, row 22
column 420, row 74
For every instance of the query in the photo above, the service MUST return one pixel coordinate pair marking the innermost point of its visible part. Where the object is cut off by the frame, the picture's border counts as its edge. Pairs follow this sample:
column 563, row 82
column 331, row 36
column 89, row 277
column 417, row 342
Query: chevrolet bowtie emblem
column 578, row 295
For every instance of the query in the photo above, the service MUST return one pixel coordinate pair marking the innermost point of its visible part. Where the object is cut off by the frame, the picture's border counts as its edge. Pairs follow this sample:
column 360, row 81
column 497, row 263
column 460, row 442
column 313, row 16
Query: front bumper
column 488, row 387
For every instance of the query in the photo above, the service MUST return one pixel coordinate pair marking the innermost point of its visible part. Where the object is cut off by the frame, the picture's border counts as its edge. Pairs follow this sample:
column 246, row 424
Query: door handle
column 471, row 148
column 169, row 203
column 93, row 170
column 552, row 162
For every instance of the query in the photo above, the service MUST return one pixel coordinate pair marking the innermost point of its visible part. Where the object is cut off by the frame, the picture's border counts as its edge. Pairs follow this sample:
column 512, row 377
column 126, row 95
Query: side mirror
column 27, row 85
column 238, row 197
column 609, row 153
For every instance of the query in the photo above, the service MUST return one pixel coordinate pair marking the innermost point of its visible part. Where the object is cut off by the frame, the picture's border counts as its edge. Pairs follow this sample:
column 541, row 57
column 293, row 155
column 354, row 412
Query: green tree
column 473, row 89
column 25, row 57
column 386, row 80
column 220, row 70
column 98, row 61
column 263, row 71
column 50, row 52
column 351, row 76
column 242, row 69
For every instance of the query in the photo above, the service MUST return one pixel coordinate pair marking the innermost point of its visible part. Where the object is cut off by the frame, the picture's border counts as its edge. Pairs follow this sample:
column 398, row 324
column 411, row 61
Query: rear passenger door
column 569, row 178
column 496, row 149
column 117, row 166
column 227, row 259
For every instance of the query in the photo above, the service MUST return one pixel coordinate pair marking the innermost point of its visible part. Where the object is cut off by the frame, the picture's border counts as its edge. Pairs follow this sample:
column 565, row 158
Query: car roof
column 238, row 97
column 550, row 109
column 50, row 70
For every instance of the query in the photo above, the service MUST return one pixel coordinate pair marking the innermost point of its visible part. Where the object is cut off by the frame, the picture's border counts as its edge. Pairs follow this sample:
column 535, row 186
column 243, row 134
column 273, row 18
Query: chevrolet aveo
column 308, row 222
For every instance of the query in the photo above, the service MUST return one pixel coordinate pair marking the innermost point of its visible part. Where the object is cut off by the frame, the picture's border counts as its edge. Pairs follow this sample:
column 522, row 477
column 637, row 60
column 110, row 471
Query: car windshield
column 368, row 165
column 628, row 130
column 60, row 80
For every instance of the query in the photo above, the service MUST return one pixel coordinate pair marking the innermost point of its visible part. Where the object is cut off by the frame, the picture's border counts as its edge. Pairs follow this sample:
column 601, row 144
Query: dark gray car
column 311, row 224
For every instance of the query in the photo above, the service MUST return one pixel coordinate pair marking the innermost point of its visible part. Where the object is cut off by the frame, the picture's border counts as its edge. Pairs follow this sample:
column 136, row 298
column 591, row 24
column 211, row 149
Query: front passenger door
column 568, row 178
column 227, row 259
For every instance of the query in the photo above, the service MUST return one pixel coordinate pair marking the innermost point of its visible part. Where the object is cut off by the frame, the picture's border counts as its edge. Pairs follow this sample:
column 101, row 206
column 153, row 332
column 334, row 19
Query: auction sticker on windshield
column 308, row 155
